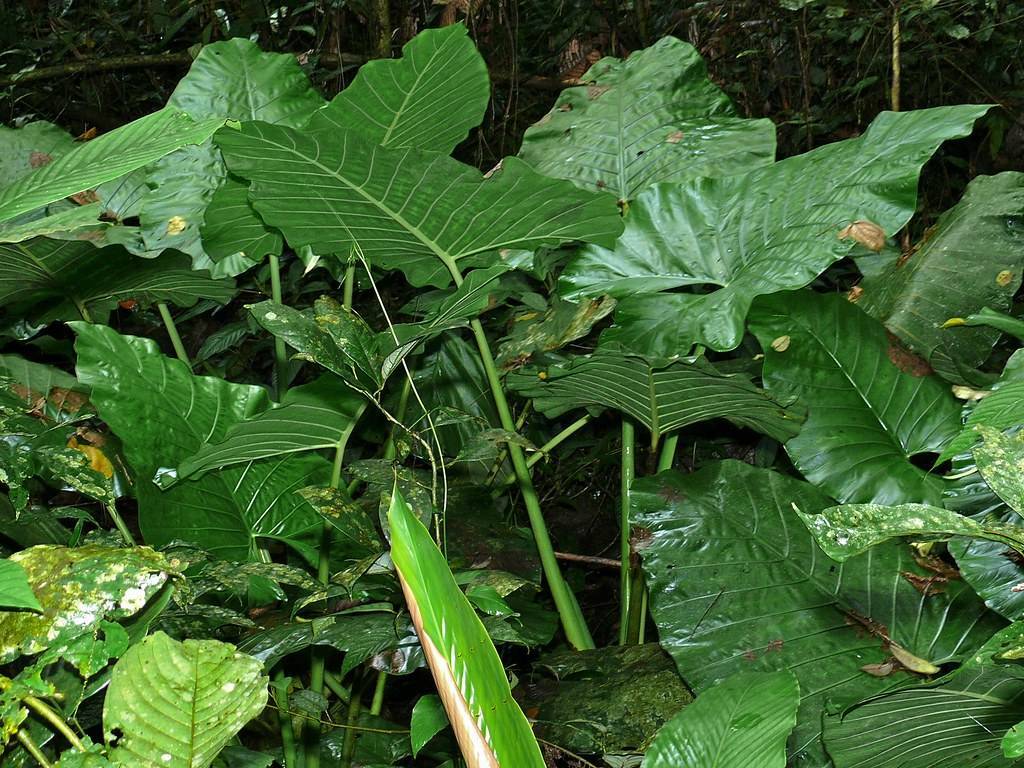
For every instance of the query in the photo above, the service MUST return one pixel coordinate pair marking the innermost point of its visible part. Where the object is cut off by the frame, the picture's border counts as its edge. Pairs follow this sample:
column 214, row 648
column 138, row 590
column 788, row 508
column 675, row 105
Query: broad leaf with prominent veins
column 773, row 229
column 491, row 729
column 872, row 406
column 738, row 584
column 163, row 415
column 650, row 118
column 428, row 99
column 662, row 399
column 420, row 212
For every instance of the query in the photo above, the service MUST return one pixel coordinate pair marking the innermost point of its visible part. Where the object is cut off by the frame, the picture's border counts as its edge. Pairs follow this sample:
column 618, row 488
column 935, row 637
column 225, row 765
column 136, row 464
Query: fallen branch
column 92, row 66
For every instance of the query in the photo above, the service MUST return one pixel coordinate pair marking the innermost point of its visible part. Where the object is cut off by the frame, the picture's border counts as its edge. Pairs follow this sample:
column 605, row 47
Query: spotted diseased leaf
column 345, row 516
column 1000, row 460
column 562, row 323
column 79, row 590
column 177, row 704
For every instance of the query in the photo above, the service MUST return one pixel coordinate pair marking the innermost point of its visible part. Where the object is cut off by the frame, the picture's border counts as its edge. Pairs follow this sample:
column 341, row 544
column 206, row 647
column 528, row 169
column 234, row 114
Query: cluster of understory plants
column 212, row 561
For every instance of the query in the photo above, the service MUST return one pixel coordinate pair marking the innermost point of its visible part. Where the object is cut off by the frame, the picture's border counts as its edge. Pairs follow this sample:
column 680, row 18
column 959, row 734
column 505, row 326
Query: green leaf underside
column 663, row 400
column 105, row 158
column 178, row 704
column 452, row 626
column 971, row 259
column 317, row 415
column 15, row 591
column 654, row 117
column 866, row 417
column 419, row 212
column 773, row 229
column 848, row 530
column 737, row 583
column 164, row 415
column 956, row 722
column 743, row 722
column 54, row 279
column 428, row 99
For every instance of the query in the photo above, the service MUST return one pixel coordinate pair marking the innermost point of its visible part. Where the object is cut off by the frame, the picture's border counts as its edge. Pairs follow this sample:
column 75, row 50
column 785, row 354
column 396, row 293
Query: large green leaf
column 1000, row 460
column 469, row 674
column 108, row 157
column 654, row 117
column 867, row 415
column 428, row 99
column 231, row 226
column 32, row 146
column 421, row 212
column 956, row 722
column 15, row 591
column 773, row 229
column 737, row 583
column 164, row 415
column 850, row 529
column 972, row 259
column 66, row 279
column 178, row 704
column 742, row 722
column 317, row 415
column 662, row 399
column 1001, row 407
column 75, row 217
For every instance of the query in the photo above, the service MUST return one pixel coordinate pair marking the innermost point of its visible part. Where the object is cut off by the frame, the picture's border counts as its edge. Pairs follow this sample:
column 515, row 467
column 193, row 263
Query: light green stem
column 284, row 718
column 120, row 525
column 573, row 623
column 349, row 286
column 33, row 749
column 668, row 452
column 355, row 706
column 544, row 450
column 628, row 471
column 54, row 720
column 172, row 331
column 378, row 693
column 391, row 447
column 280, row 351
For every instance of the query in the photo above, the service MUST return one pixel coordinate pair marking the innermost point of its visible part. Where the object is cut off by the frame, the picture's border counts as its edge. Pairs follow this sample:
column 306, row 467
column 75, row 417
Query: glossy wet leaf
column 738, row 584
column 1000, row 460
column 611, row 699
column 105, row 158
column 490, row 727
column 562, row 323
column 871, row 406
column 313, row 416
column 79, row 590
column 419, row 212
column 971, row 259
column 179, row 703
column 55, row 224
column 957, row 721
column 663, row 399
column 163, row 415
column 428, row 719
column 1000, row 408
column 743, row 722
column 15, row 591
column 851, row 529
column 429, row 99
column 654, row 117
column 58, row 280
column 773, row 229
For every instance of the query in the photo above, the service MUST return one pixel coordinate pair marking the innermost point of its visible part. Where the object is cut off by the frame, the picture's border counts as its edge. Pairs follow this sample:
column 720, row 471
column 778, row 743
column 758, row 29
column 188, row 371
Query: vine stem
column 544, row 450
column 894, row 93
column 573, row 623
column 627, row 473
column 280, row 351
column 172, row 331
column 56, row 721
column 33, row 749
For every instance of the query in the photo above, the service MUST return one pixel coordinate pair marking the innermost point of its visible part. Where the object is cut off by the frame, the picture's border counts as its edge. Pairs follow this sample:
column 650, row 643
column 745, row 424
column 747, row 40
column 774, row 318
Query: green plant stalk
column 120, row 525
column 637, row 607
column 627, row 473
column 284, row 718
column 33, row 749
column 172, row 331
column 335, row 686
column 355, row 706
column 544, row 450
column 391, row 447
column 348, row 286
column 668, row 452
column 377, row 704
column 55, row 721
column 573, row 623
column 280, row 352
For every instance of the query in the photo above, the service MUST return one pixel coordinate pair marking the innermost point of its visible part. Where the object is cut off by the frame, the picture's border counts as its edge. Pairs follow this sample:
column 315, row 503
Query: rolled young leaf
column 743, row 722
column 491, row 729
